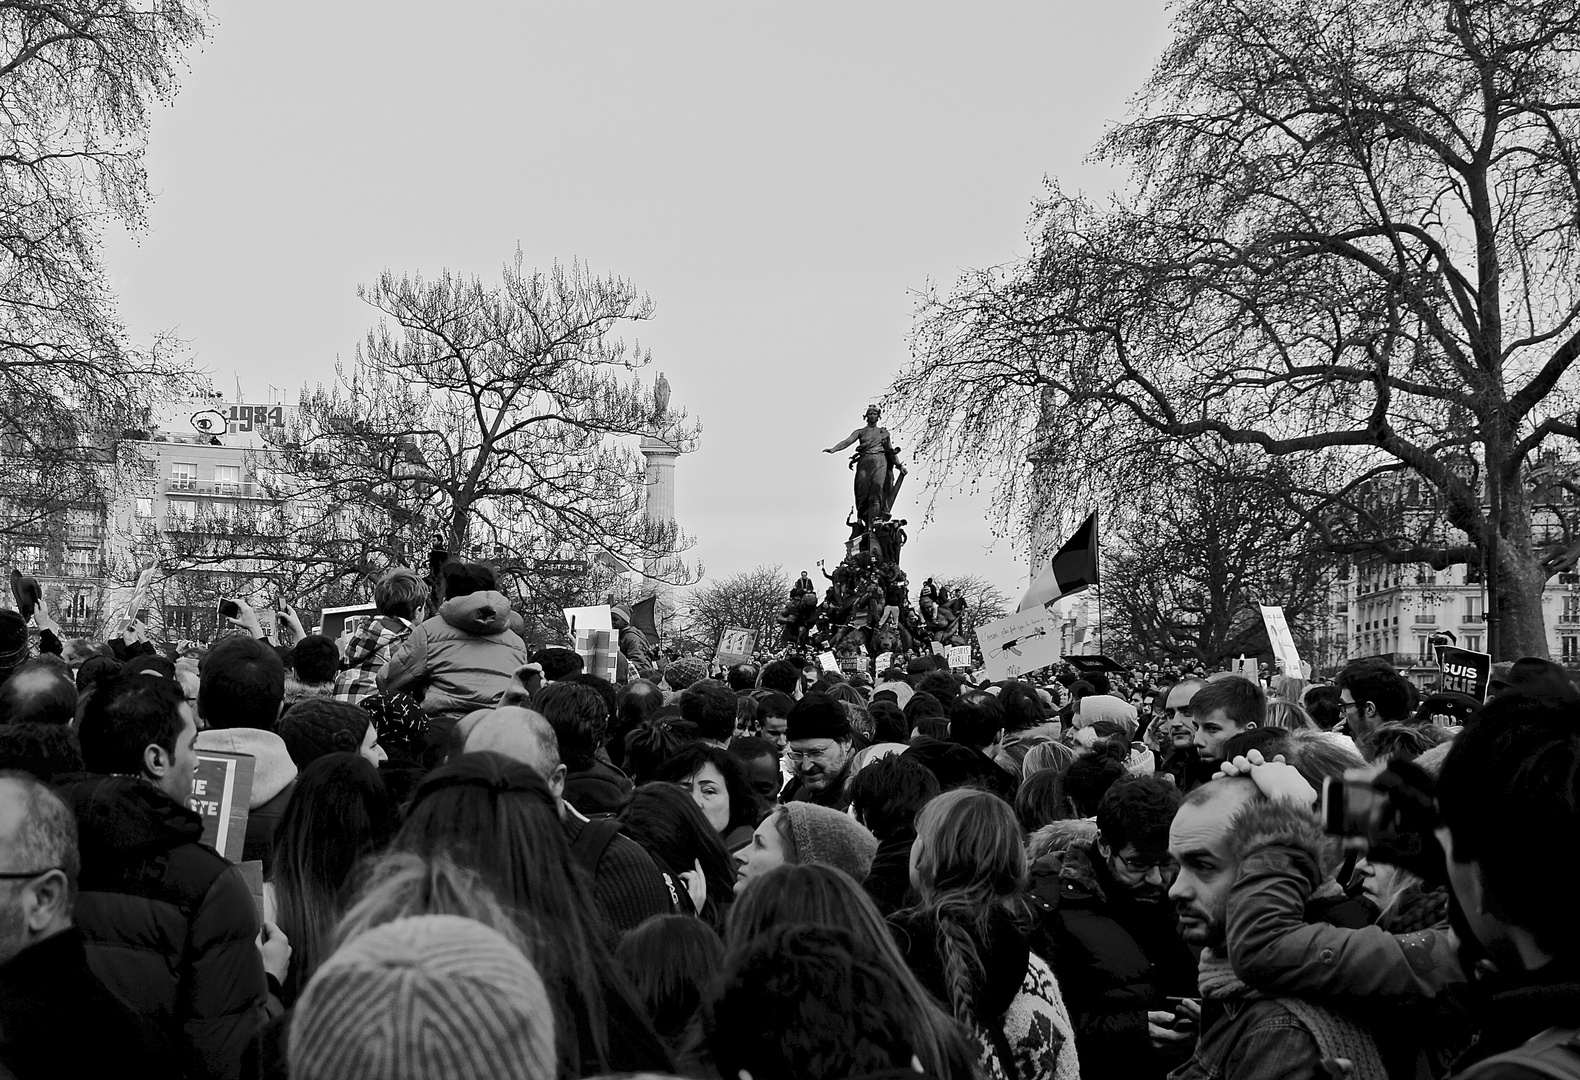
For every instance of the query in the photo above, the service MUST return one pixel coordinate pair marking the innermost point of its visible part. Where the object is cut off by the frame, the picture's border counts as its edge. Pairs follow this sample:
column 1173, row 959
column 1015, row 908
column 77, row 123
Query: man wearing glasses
column 1105, row 907
column 1371, row 692
column 49, row 997
column 820, row 751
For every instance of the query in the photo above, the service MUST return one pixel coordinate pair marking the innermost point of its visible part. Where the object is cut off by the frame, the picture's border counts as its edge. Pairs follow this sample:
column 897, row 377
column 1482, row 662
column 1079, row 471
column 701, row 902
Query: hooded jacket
column 273, row 782
column 1276, row 945
column 1116, row 960
column 168, row 923
column 460, row 660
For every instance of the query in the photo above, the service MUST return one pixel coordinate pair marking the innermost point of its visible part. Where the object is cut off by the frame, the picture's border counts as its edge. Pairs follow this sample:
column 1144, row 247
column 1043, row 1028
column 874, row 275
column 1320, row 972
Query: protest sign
column 827, row 661
column 1461, row 671
column 599, row 650
column 735, row 645
column 221, row 791
column 332, row 621
column 1019, row 643
column 599, row 617
column 959, row 656
column 1283, row 641
column 884, row 662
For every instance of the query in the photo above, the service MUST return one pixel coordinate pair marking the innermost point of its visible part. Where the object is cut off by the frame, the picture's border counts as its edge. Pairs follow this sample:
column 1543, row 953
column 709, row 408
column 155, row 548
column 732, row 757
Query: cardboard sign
column 735, row 645
column 1019, row 643
column 884, row 662
column 827, row 661
column 221, row 792
column 1283, row 641
column 589, row 618
column 959, row 656
column 332, row 620
column 1461, row 671
column 600, row 651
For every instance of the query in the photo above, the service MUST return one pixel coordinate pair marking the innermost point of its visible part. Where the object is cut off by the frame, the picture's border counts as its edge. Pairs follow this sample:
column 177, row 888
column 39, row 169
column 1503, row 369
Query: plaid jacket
column 366, row 654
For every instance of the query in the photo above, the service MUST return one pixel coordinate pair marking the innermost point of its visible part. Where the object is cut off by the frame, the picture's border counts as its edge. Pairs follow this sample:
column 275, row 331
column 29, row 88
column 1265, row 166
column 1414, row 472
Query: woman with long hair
column 672, row 829
column 717, row 782
column 672, row 961
column 498, row 818
column 830, row 897
column 339, row 813
column 969, row 940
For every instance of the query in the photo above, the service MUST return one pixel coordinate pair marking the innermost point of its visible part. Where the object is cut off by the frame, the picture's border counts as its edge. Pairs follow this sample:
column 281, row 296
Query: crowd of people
column 478, row 860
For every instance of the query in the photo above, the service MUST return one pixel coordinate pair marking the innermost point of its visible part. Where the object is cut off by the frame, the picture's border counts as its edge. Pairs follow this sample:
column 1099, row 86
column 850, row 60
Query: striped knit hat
column 427, row 996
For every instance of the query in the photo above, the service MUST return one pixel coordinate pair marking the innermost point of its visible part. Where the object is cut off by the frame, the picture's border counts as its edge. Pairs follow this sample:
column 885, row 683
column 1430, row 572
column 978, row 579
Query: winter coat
column 597, row 789
column 273, row 781
column 1277, row 946
column 889, row 880
column 1117, row 960
column 1017, row 1012
column 49, row 998
column 459, row 661
column 1509, row 1011
column 169, row 924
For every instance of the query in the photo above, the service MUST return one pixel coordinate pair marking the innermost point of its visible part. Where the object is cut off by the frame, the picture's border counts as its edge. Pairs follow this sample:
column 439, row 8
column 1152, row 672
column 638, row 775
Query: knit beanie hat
column 685, row 671
column 825, row 837
column 427, row 996
column 315, row 726
column 902, row 691
column 817, row 716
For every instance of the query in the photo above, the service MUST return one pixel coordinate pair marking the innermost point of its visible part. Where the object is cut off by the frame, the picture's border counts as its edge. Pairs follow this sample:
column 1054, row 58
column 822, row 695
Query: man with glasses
column 49, row 997
column 1105, row 908
column 821, row 747
column 1371, row 692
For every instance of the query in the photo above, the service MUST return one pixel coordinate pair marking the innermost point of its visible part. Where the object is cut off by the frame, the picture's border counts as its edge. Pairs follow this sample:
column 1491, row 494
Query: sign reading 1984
column 248, row 417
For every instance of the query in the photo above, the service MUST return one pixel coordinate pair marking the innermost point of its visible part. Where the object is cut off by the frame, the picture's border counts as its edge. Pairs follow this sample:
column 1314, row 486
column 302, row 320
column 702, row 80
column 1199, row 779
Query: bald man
column 49, row 997
column 628, row 885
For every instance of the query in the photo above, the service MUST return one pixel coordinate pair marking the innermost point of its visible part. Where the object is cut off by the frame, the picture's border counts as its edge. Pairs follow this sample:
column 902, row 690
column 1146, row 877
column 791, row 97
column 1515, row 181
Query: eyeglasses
column 27, row 875
column 1164, row 866
column 808, row 755
column 1348, row 705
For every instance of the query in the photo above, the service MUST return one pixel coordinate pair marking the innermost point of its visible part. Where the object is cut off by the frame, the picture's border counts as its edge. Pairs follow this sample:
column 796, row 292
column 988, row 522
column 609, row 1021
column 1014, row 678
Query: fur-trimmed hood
column 1056, row 836
column 1263, row 823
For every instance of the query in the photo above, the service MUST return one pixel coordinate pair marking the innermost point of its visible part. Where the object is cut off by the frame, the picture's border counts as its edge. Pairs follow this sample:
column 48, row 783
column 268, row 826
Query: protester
column 57, row 1018
column 886, row 796
column 1370, row 693
column 400, row 596
column 977, row 723
column 710, row 706
column 500, row 819
column 1119, row 955
column 463, row 657
column 1041, row 800
column 718, row 784
column 671, row 962
column 314, row 662
column 1224, row 708
column 762, row 763
column 825, row 896
column 339, row 814
column 969, row 938
column 798, row 834
column 48, row 752
column 628, row 887
column 422, row 996
column 242, row 688
column 320, row 725
column 670, row 827
column 580, row 720
column 39, row 691
column 820, row 749
column 170, row 925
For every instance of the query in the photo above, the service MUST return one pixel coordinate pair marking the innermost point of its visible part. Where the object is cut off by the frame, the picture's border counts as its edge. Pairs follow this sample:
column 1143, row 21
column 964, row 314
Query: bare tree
column 1349, row 240
column 984, row 600
column 78, row 80
column 749, row 600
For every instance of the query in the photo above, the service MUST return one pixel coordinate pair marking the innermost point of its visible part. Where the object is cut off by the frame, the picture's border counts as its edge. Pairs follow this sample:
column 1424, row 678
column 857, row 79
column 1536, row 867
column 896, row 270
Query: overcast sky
column 781, row 179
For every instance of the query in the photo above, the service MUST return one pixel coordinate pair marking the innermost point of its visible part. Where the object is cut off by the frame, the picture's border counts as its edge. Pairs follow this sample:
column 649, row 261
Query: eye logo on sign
column 209, row 422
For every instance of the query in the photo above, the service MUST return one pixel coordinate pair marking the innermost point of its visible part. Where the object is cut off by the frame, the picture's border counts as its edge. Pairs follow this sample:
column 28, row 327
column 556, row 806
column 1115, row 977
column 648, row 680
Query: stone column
column 660, row 510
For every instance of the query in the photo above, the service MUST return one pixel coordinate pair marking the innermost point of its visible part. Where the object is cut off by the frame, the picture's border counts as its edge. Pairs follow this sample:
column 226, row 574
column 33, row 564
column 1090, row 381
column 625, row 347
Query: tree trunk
column 1520, row 580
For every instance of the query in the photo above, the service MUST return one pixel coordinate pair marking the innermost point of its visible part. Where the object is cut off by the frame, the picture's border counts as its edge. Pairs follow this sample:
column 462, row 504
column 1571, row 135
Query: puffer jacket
column 1116, row 960
column 168, row 923
column 458, row 661
column 1285, row 866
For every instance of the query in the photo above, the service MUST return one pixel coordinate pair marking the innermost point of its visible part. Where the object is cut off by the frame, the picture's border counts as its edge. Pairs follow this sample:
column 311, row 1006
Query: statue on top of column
column 879, row 473
column 661, row 395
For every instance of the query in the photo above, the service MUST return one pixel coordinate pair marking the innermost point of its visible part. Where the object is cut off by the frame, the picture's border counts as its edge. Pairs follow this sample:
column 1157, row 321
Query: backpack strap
column 1554, row 1055
column 595, row 837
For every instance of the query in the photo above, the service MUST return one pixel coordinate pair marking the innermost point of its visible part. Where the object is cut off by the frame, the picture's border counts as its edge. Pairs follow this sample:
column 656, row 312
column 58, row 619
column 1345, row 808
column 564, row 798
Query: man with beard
column 1105, row 908
column 1245, row 1034
column 819, row 735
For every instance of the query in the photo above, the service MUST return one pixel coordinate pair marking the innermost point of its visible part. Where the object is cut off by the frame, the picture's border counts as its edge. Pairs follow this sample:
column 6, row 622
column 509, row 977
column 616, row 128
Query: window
column 1571, row 606
column 183, row 476
column 1473, row 642
column 183, row 510
column 1425, row 643
column 227, row 478
column 29, row 558
column 1473, row 608
column 1472, row 573
column 145, row 508
column 223, row 511
column 80, row 561
column 1571, row 647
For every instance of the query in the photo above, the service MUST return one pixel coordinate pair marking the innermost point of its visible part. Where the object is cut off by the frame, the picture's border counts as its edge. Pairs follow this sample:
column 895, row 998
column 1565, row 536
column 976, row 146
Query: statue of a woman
column 875, row 467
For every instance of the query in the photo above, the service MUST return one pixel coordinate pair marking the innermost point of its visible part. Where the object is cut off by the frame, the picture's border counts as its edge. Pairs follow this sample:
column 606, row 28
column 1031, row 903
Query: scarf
column 1338, row 1038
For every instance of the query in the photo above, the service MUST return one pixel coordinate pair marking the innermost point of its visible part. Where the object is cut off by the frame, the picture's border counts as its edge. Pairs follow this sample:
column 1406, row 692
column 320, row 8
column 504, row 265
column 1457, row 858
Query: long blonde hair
column 970, row 866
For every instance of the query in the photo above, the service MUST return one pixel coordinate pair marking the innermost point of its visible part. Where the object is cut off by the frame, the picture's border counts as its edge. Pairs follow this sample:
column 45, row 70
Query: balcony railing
column 244, row 489
column 1466, row 620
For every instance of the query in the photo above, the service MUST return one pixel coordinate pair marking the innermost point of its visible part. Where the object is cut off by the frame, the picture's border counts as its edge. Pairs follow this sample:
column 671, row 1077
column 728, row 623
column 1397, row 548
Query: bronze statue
column 879, row 473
